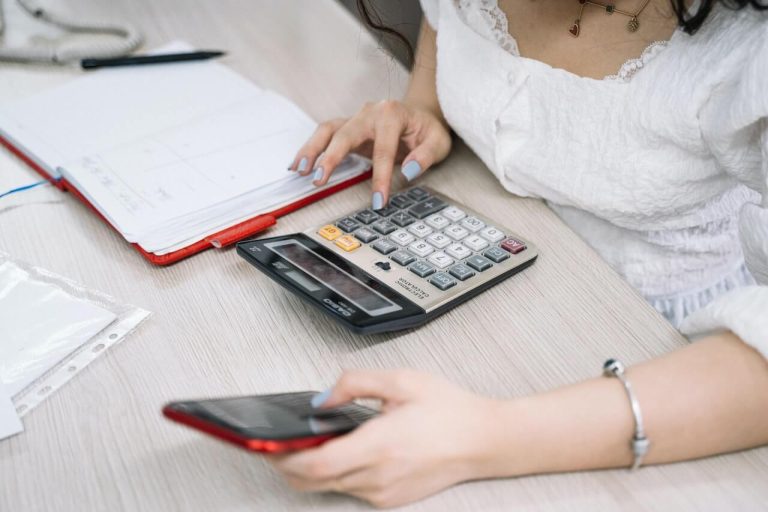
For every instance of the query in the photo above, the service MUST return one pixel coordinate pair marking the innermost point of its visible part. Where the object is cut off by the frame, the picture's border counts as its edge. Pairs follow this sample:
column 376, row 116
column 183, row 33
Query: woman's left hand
column 431, row 434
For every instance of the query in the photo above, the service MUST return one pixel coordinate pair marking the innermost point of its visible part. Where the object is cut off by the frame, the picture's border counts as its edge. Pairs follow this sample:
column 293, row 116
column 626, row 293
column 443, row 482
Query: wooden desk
column 221, row 328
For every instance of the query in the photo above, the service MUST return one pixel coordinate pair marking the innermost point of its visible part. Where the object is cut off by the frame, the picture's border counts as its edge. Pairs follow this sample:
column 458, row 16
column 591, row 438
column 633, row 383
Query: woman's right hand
column 415, row 137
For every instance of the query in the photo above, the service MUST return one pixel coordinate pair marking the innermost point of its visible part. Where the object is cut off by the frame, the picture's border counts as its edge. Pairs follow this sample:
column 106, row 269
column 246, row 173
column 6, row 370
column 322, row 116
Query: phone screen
column 276, row 417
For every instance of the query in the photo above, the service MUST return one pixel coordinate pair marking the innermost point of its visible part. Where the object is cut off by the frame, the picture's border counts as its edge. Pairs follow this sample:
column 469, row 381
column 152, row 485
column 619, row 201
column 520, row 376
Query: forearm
column 422, row 89
column 707, row 398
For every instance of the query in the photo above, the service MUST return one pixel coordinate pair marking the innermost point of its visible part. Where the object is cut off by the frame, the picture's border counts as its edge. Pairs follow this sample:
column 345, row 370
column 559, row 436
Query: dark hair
column 691, row 24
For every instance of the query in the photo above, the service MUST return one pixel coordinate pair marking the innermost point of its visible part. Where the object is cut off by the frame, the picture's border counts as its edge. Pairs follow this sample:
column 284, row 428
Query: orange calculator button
column 329, row 232
column 348, row 243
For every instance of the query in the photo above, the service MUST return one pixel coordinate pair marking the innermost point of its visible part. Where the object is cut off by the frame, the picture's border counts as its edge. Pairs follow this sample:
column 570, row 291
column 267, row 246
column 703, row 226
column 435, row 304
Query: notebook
column 177, row 158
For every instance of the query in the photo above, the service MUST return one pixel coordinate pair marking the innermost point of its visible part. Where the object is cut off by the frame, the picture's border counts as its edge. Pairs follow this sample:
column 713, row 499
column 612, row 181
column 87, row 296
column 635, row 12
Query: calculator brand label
column 412, row 288
column 339, row 308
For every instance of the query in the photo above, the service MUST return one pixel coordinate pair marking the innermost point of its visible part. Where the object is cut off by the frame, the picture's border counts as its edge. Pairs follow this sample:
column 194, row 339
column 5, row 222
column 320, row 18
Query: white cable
column 129, row 39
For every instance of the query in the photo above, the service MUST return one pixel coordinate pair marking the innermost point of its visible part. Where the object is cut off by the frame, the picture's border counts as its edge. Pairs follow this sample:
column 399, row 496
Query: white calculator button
column 437, row 221
column 453, row 214
column 421, row 248
column 491, row 234
column 473, row 224
column 402, row 237
column 438, row 240
column 420, row 229
column 458, row 251
column 456, row 232
column 440, row 260
column 476, row 243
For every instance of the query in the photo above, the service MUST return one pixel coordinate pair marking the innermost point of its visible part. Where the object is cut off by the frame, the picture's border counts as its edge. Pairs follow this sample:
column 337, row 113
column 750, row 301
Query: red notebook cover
column 224, row 238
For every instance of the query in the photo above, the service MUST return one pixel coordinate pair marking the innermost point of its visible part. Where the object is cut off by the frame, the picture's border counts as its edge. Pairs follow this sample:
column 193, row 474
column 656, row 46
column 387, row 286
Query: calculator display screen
column 334, row 278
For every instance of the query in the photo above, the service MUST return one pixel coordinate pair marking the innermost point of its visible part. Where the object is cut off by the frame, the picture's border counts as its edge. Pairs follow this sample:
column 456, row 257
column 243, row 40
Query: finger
column 386, row 142
column 432, row 149
column 306, row 157
column 386, row 385
column 349, row 136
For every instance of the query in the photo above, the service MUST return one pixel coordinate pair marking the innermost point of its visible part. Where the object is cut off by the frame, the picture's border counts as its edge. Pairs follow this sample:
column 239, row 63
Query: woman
column 661, row 167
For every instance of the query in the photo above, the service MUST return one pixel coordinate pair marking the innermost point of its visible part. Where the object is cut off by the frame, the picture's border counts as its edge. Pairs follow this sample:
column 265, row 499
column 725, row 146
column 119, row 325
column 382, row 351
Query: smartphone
column 269, row 423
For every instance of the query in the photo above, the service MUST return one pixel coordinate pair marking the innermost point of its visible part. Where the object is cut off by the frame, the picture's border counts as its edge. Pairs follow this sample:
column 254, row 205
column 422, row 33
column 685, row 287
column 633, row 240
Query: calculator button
column 438, row 240
column 422, row 268
column 365, row 235
column 496, row 255
column 427, row 207
column 348, row 224
column 461, row 272
column 329, row 232
column 401, row 201
column 385, row 246
column 475, row 242
column 437, row 221
column 421, row 248
column 473, row 224
column 420, row 229
column 402, row 219
column 366, row 216
column 513, row 245
column 453, row 214
column 348, row 243
column 417, row 194
column 440, row 260
column 456, row 232
column 458, row 251
column 402, row 237
column 386, row 211
column 479, row 263
column 491, row 234
column 402, row 257
column 384, row 227
column 442, row 280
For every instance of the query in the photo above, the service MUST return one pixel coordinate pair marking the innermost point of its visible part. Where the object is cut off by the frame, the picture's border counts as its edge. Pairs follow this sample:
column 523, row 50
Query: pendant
column 633, row 24
column 575, row 28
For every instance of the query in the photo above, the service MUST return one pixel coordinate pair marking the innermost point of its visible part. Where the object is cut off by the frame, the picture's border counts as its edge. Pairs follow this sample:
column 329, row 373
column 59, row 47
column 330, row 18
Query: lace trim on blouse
column 497, row 23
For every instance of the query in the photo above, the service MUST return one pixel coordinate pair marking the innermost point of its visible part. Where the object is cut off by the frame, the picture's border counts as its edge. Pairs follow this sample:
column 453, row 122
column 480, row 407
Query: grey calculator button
column 386, row 211
column 402, row 219
column 427, row 207
column 401, row 201
column 402, row 257
column 348, row 224
column 422, row 268
column 366, row 216
column 417, row 194
column 473, row 224
column 479, row 263
column 384, row 227
column 461, row 272
column 384, row 246
column 365, row 235
column 495, row 254
column 442, row 280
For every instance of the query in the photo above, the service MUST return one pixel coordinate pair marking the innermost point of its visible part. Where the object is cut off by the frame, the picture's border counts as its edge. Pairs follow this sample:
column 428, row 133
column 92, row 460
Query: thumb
column 385, row 385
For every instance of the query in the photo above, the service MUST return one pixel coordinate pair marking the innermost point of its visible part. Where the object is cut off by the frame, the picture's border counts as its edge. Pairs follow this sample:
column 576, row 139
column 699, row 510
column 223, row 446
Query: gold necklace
column 632, row 25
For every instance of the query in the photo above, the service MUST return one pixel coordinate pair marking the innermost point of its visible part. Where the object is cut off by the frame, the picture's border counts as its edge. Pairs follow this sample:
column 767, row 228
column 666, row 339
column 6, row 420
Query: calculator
column 397, row 267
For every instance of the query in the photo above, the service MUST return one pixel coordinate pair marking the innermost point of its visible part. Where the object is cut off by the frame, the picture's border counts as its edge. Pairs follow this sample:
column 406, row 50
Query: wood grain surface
column 221, row 328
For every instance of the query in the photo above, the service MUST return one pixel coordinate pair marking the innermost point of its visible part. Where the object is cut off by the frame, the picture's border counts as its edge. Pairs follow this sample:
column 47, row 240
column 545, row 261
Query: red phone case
column 254, row 445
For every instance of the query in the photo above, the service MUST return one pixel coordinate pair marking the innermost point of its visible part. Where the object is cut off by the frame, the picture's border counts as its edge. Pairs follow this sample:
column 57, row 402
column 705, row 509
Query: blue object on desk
column 22, row 189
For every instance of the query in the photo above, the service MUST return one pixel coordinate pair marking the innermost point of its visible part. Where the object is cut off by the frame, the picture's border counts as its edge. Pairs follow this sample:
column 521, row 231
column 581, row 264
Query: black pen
column 149, row 59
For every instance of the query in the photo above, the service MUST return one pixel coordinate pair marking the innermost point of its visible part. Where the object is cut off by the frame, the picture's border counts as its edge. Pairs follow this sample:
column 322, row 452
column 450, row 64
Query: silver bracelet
column 640, row 443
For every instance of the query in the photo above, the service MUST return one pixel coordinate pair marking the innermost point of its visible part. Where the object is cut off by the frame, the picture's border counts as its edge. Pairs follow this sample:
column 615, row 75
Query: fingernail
column 319, row 399
column 411, row 169
column 318, row 174
column 377, row 201
column 302, row 165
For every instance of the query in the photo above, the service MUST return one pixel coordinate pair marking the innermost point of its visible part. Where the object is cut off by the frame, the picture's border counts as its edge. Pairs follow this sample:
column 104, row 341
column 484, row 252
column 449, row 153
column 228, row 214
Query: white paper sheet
column 10, row 423
column 40, row 325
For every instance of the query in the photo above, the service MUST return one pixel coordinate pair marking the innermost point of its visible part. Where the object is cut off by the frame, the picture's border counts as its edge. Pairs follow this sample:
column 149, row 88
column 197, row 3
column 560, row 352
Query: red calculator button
column 512, row 245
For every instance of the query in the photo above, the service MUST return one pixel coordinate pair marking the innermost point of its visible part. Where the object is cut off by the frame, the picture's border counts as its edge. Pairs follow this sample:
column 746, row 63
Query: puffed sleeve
column 431, row 10
column 734, row 123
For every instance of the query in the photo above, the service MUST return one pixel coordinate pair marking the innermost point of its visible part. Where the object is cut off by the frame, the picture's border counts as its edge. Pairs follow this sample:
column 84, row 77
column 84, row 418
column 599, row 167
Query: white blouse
column 661, row 168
